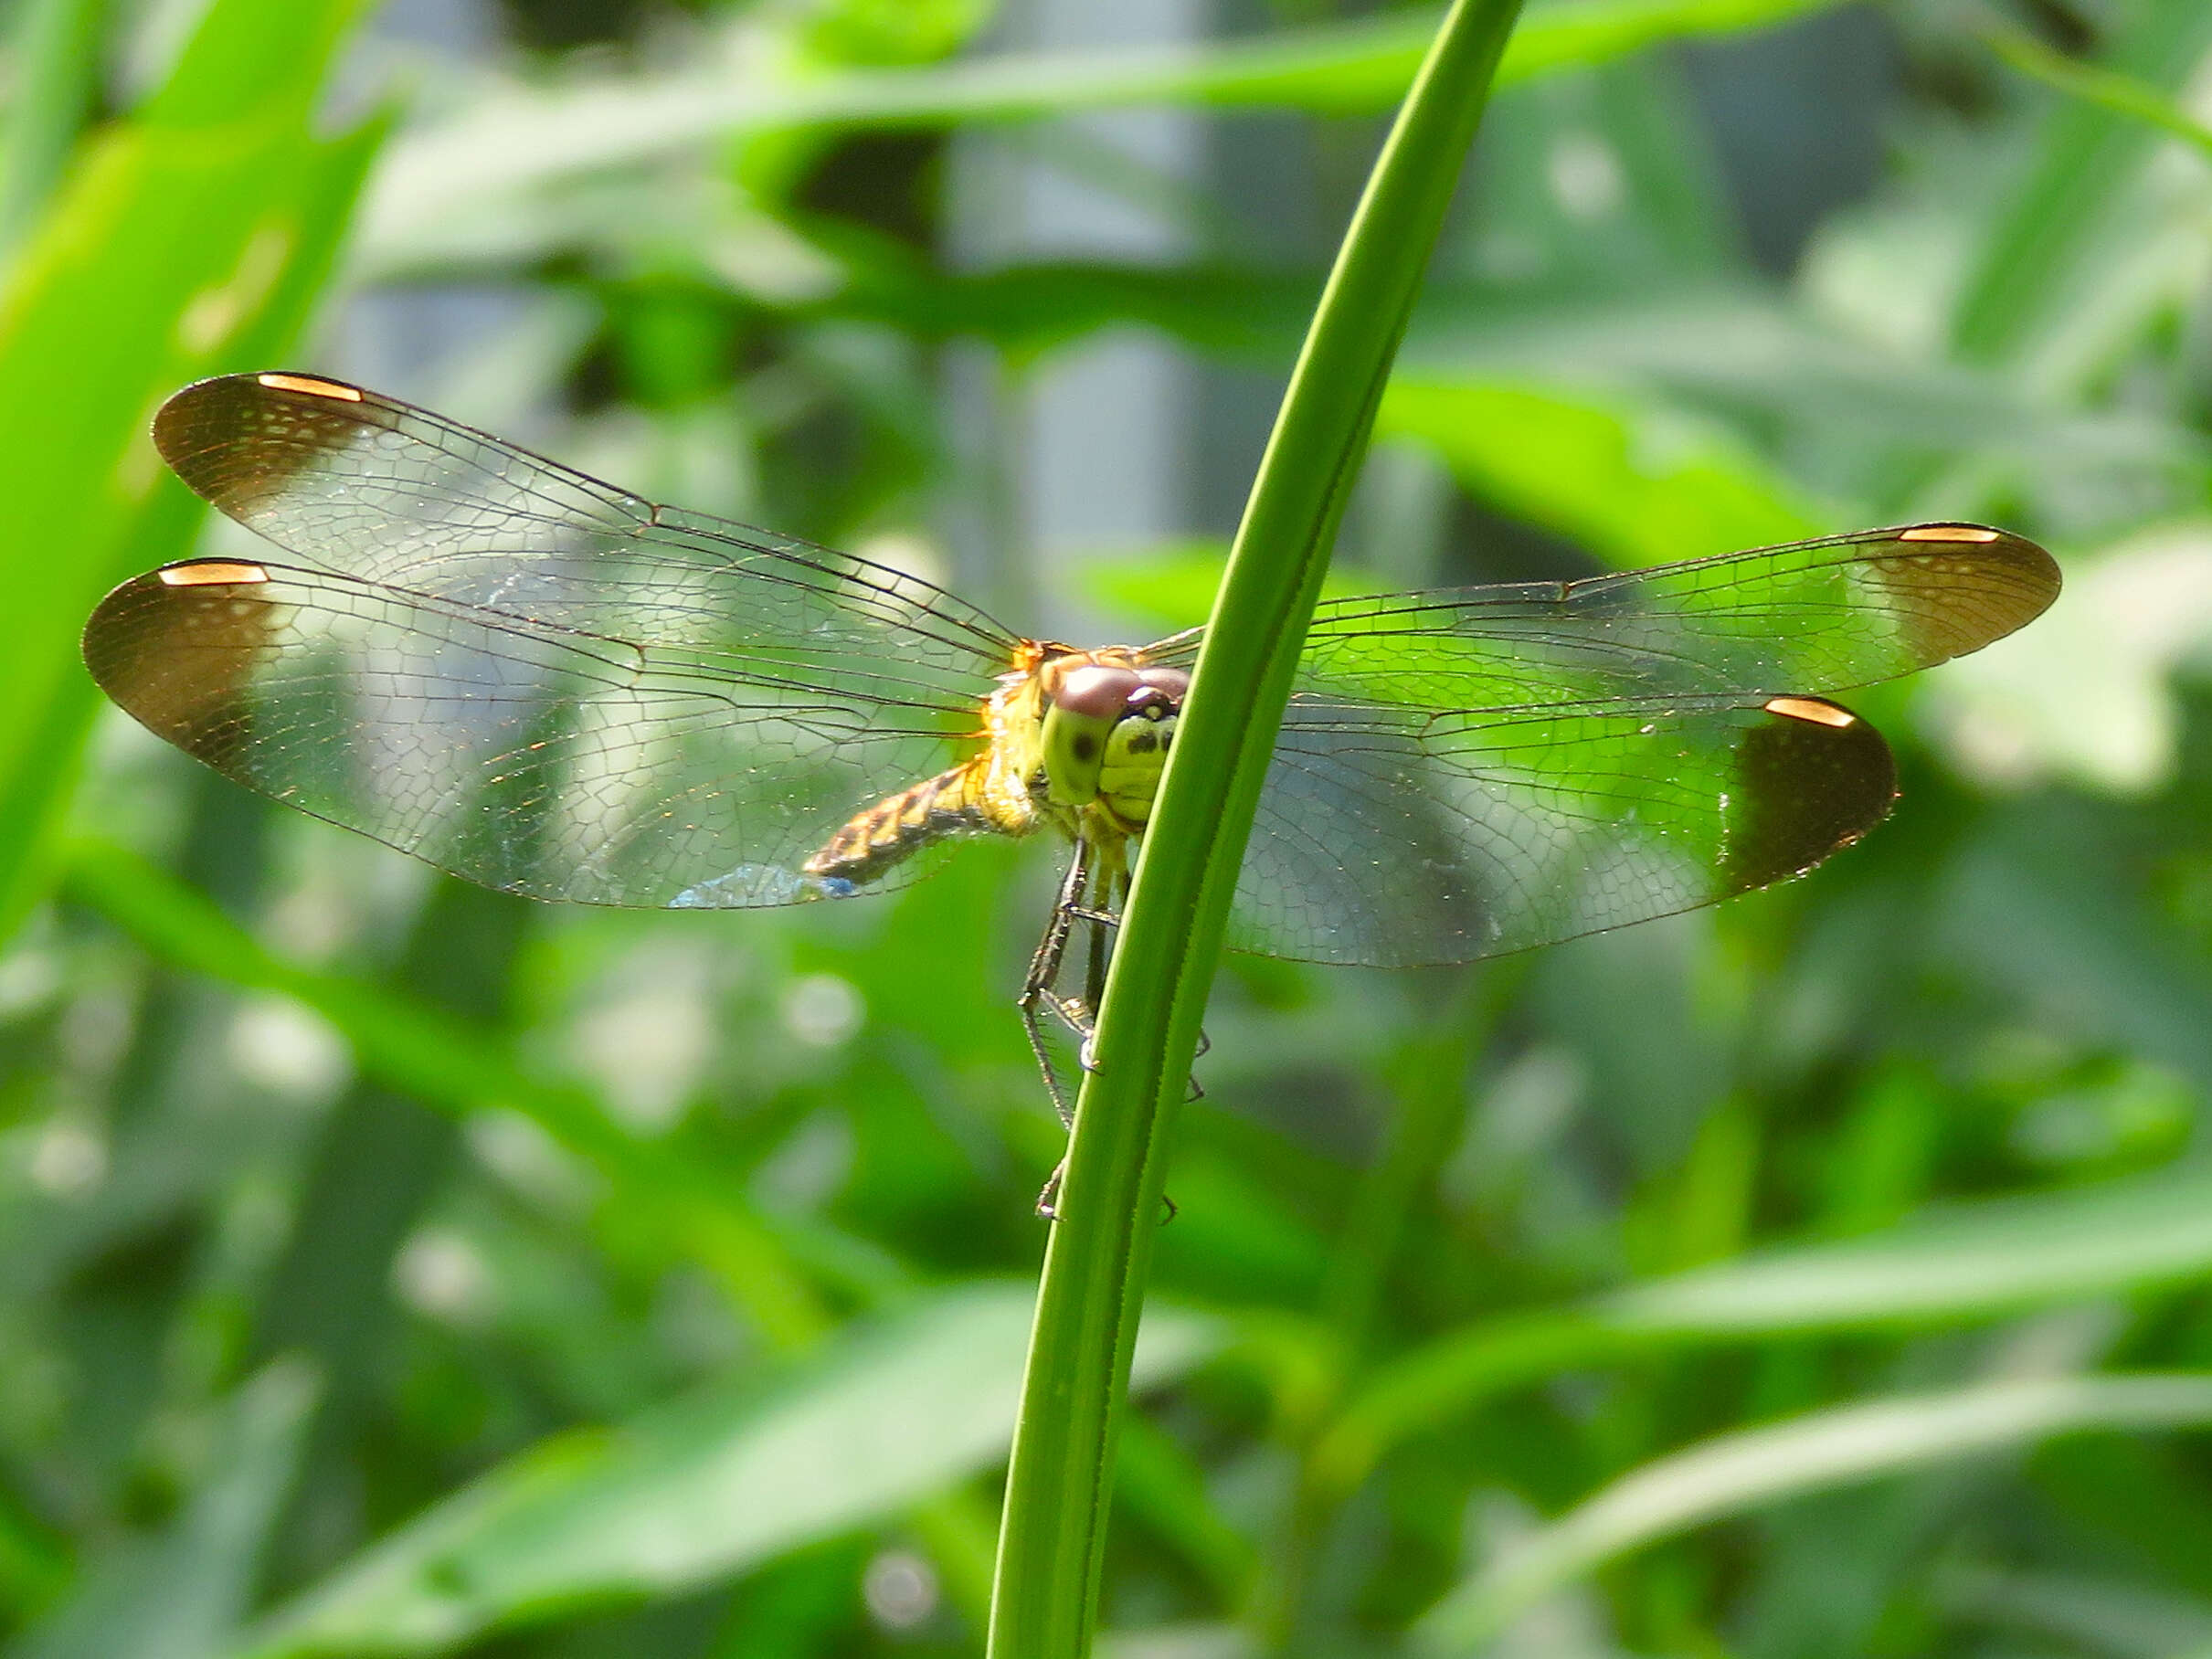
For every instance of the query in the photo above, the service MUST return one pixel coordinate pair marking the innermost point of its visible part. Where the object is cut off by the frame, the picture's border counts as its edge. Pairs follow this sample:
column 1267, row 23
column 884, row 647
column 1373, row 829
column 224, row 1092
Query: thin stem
column 2121, row 94
column 1052, row 1541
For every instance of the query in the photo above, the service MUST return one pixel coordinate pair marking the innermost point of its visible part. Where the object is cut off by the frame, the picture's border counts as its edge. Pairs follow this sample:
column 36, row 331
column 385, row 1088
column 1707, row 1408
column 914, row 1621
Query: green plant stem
column 1428, row 1084
column 56, row 46
column 1427, row 1109
column 2059, row 220
column 455, row 1066
column 1428, row 1104
column 2120, row 94
column 1051, row 1542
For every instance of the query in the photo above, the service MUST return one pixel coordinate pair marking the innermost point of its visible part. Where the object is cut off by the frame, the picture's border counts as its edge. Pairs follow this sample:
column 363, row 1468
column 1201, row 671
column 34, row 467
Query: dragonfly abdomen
column 872, row 841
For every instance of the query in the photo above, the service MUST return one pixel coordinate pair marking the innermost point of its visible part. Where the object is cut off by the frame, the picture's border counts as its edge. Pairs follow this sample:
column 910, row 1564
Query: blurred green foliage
column 390, row 1268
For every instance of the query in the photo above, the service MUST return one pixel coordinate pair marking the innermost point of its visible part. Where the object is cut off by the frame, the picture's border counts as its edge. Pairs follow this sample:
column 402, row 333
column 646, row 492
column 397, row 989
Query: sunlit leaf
column 196, row 234
column 1638, row 484
column 698, row 1490
column 1737, row 1473
column 183, row 1594
column 529, row 139
column 1969, row 1262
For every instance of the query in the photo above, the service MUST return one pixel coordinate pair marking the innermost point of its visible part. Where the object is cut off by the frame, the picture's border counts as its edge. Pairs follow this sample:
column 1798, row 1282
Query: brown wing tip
column 176, row 655
column 2029, row 563
column 100, row 644
column 201, row 430
column 188, row 400
column 1972, row 585
column 1811, row 777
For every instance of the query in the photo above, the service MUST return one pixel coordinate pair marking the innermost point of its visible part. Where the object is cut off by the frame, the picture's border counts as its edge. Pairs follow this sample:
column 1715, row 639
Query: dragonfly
column 546, row 684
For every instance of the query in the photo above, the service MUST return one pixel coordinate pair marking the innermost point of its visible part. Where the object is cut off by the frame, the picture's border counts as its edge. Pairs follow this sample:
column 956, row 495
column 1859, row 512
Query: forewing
column 1469, row 773
column 521, row 674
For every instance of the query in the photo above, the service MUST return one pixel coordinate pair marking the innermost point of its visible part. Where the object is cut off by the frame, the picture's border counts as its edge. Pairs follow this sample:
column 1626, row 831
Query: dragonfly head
column 1106, row 735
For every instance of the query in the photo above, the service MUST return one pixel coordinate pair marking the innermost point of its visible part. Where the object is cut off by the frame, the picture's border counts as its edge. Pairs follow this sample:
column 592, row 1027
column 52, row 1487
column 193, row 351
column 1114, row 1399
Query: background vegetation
column 391, row 1268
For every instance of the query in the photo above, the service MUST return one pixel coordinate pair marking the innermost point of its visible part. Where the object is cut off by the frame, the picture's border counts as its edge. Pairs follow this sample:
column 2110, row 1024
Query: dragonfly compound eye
column 1137, row 748
column 1087, row 703
column 1106, row 733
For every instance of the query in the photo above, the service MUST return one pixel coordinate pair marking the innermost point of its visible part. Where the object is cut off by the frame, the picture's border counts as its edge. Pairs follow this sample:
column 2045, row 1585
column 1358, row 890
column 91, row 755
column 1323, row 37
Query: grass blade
column 691, row 1491
column 181, row 1595
column 535, row 140
column 1734, row 1473
column 1051, row 1546
column 194, row 236
column 2051, row 232
column 56, row 46
column 2121, row 94
column 1981, row 1260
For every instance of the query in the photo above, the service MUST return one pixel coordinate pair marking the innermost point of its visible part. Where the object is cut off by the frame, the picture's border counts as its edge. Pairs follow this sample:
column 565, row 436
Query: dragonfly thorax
column 1072, row 739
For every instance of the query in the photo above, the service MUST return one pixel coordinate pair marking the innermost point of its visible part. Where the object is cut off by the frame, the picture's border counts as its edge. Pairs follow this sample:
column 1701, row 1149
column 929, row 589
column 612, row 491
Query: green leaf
column 1744, row 350
column 1733, row 1474
column 1635, row 483
column 191, row 237
column 2054, row 233
column 1977, row 1261
column 692, row 1493
column 1970, row 1261
column 182, row 1595
column 448, row 1063
column 1052, row 1544
column 439, row 180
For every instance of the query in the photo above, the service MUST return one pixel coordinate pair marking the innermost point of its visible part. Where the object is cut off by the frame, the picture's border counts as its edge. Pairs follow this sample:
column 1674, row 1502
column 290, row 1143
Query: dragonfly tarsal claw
column 1048, row 1200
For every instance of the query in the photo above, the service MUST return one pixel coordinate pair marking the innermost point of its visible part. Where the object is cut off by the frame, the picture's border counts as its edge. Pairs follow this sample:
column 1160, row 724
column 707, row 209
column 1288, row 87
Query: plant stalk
column 1052, row 1538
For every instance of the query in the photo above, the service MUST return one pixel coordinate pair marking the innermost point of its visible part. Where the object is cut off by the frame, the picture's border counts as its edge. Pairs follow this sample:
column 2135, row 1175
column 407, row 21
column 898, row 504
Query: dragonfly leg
column 1037, row 993
column 1040, row 997
column 1048, row 1201
column 1093, row 989
column 1101, row 921
column 1102, row 924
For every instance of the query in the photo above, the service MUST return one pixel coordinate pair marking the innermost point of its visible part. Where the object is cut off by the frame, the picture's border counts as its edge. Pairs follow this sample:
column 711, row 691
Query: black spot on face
column 1142, row 743
column 1085, row 747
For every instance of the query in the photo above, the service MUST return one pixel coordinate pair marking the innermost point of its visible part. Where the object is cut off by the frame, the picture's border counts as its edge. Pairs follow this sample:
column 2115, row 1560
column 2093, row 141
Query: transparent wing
column 521, row 674
column 1468, row 773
